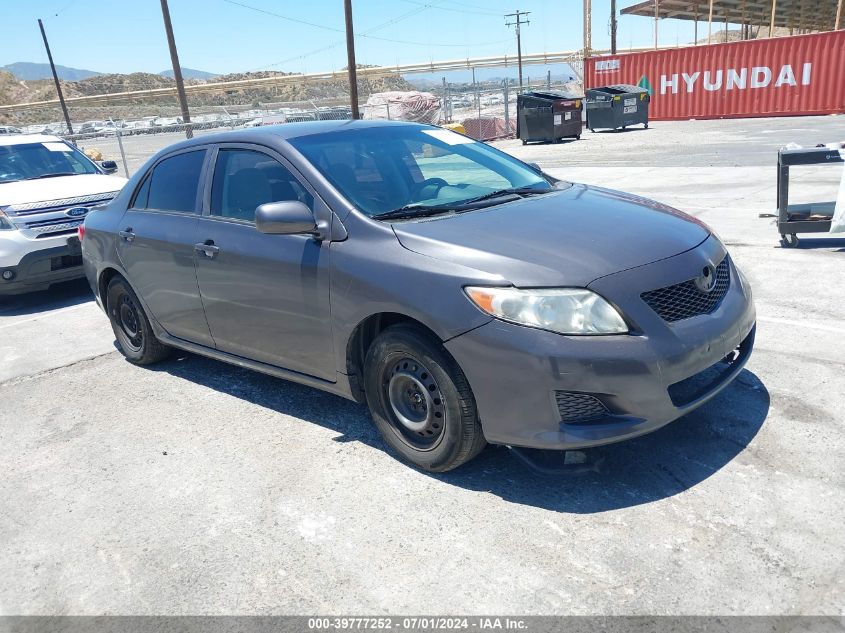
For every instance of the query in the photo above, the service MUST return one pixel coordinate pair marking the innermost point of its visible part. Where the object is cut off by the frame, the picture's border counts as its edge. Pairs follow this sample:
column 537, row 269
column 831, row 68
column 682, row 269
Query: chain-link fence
column 482, row 110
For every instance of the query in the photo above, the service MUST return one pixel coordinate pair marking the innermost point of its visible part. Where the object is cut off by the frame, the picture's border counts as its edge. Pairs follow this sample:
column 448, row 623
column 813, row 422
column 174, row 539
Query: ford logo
column 76, row 212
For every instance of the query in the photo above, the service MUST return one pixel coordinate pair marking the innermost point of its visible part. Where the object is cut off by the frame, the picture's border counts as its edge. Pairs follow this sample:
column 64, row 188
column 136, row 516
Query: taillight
column 81, row 232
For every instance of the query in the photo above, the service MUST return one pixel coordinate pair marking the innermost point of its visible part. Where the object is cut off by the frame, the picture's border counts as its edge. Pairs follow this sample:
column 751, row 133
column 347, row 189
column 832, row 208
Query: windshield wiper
column 68, row 173
column 513, row 191
column 415, row 211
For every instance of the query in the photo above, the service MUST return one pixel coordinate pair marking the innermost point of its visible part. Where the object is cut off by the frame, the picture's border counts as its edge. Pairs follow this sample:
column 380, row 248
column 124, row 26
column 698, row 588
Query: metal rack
column 802, row 218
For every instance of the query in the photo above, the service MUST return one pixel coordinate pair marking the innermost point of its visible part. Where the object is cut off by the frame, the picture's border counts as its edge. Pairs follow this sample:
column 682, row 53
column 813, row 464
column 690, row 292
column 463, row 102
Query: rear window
column 173, row 183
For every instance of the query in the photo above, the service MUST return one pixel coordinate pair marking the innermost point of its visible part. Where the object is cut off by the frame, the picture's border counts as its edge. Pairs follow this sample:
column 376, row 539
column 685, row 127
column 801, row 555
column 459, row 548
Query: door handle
column 207, row 248
column 127, row 235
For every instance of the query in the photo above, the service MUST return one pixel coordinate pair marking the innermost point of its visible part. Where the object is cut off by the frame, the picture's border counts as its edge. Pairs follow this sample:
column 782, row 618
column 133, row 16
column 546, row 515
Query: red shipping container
column 804, row 74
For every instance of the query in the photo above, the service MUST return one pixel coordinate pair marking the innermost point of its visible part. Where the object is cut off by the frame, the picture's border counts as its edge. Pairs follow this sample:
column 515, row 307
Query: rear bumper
column 642, row 381
column 37, row 270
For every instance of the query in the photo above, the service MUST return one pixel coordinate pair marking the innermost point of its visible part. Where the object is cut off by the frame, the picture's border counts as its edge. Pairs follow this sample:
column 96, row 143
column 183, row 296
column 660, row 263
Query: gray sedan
column 465, row 296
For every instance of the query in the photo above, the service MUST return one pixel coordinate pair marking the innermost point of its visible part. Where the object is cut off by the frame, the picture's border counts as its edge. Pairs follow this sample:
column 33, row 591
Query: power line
column 467, row 4
column 339, row 43
column 64, row 8
column 452, row 9
column 363, row 34
column 285, row 17
column 366, row 33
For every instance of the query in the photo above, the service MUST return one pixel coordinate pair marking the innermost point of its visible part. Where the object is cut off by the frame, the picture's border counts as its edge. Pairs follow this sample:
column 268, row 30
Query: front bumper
column 643, row 380
column 38, row 269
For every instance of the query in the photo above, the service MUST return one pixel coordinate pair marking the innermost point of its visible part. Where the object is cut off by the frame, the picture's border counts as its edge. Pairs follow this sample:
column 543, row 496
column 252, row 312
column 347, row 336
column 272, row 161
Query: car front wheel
column 420, row 399
column 131, row 326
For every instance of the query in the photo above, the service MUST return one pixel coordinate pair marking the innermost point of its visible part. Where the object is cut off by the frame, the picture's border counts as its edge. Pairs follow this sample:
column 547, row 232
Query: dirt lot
column 196, row 487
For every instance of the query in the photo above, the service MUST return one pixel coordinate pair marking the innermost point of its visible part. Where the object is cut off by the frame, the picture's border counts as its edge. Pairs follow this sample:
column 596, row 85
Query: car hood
column 566, row 238
column 48, row 189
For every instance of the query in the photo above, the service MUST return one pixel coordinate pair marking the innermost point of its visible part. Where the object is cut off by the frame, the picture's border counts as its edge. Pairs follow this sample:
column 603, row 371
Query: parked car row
column 157, row 125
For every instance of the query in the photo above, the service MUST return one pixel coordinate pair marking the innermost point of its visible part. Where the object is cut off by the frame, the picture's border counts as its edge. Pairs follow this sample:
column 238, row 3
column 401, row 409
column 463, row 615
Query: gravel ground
column 195, row 487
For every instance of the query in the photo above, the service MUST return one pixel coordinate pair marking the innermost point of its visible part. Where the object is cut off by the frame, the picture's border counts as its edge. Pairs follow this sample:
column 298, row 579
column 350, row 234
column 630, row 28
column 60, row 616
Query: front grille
column 30, row 208
column 579, row 407
column 65, row 261
column 698, row 385
column 686, row 299
column 49, row 228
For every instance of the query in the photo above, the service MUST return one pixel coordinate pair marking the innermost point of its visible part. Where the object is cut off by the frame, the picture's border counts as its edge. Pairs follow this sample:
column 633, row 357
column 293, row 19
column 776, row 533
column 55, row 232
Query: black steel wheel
column 126, row 316
column 416, row 402
column 789, row 240
column 131, row 327
column 420, row 399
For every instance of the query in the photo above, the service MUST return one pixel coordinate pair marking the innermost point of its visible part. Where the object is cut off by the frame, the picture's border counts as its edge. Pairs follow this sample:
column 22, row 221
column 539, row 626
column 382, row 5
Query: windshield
column 413, row 170
column 31, row 161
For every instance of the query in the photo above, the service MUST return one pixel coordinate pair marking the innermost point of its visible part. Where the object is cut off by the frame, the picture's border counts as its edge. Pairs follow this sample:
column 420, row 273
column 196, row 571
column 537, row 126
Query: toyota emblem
column 707, row 280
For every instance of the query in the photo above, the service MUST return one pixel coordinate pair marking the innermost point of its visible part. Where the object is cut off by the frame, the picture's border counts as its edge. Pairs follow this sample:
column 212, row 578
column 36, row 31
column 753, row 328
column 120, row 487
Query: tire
column 409, row 375
column 131, row 327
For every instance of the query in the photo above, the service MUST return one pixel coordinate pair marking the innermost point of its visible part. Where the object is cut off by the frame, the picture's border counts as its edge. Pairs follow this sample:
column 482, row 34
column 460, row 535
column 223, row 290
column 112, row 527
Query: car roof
column 22, row 139
column 289, row 131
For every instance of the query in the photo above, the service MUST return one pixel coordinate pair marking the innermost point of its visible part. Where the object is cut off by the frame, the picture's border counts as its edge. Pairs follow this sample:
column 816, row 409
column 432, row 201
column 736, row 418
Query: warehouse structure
column 798, row 16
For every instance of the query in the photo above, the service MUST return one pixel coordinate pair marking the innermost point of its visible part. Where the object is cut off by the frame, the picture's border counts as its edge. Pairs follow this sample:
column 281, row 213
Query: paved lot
column 196, row 487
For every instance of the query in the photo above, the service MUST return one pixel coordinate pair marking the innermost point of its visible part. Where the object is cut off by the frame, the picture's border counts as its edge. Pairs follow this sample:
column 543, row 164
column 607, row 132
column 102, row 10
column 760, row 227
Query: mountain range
column 32, row 71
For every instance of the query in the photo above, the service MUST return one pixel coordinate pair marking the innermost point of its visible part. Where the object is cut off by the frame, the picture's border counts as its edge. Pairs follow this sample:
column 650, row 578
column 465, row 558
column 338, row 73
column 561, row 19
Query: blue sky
column 223, row 36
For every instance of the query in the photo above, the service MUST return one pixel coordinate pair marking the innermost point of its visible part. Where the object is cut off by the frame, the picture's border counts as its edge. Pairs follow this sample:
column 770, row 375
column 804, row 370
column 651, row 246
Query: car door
column 266, row 297
column 156, row 244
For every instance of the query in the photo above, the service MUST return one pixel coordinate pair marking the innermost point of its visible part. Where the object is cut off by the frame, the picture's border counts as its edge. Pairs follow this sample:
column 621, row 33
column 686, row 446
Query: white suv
column 47, row 187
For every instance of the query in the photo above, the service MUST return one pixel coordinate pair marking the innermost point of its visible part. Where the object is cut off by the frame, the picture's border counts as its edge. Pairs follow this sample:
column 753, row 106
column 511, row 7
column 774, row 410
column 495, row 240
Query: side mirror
column 535, row 167
column 108, row 166
column 285, row 218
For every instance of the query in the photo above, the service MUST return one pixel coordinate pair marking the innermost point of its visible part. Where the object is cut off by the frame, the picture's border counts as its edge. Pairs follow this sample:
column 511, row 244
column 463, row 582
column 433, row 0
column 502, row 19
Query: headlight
column 5, row 222
column 562, row 310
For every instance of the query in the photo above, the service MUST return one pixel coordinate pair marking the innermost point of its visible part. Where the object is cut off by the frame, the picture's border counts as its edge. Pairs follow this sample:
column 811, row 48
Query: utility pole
column 518, row 21
column 710, row 23
column 613, row 27
column 656, row 20
column 56, row 78
column 772, row 23
column 177, row 69
column 352, row 67
column 588, row 28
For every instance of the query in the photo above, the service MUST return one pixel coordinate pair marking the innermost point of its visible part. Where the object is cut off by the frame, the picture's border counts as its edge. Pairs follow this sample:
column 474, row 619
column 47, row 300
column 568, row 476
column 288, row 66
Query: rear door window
column 174, row 182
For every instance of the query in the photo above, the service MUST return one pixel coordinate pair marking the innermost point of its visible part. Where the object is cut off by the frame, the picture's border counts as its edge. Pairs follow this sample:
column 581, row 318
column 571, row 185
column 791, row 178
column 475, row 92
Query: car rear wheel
column 131, row 326
column 420, row 400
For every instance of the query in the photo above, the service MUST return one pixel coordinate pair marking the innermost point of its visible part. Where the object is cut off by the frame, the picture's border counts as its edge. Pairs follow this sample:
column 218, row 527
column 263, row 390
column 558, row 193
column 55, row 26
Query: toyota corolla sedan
column 466, row 297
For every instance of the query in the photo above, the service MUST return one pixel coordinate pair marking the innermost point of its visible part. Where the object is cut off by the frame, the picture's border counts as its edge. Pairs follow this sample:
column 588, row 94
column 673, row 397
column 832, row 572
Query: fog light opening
column 8, row 275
